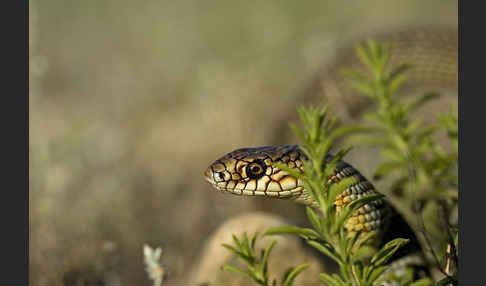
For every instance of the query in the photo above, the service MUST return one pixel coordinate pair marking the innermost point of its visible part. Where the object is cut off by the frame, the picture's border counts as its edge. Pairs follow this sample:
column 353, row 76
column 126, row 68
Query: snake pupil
column 255, row 170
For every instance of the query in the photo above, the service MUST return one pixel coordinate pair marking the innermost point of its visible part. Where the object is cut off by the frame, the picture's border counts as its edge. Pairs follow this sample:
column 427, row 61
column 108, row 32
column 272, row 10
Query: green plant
column 423, row 173
column 257, row 267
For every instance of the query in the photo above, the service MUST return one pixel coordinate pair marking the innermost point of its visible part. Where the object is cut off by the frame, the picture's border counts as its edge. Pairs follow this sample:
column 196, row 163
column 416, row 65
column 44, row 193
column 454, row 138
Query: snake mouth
column 276, row 194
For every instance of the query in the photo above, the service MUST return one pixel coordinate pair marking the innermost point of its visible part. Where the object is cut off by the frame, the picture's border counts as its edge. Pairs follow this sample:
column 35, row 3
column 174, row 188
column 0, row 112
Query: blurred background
column 130, row 101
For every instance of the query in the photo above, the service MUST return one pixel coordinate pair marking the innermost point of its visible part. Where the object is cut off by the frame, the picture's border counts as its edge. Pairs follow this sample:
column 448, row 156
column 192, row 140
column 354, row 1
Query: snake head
column 251, row 171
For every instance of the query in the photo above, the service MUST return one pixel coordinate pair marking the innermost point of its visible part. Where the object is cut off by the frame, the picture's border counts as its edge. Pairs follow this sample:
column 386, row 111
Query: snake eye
column 219, row 176
column 255, row 170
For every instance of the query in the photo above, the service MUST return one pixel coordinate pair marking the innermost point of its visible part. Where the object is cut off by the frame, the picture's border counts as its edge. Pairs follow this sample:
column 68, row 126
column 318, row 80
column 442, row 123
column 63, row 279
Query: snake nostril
column 208, row 174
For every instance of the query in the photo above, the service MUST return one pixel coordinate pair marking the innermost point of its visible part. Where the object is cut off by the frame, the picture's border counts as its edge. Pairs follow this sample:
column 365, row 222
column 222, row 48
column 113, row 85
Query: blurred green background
column 131, row 100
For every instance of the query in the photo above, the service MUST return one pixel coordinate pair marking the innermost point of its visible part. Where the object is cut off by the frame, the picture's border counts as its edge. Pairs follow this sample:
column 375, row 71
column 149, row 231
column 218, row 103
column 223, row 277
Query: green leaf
column 363, row 88
column 399, row 70
column 421, row 101
column 356, row 204
column 236, row 241
column 337, row 278
column 344, row 241
column 344, row 271
column 242, row 255
column 330, row 167
column 326, row 249
column 266, row 254
column 353, row 75
column 425, row 132
column 336, row 188
column 256, row 277
column 395, row 84
column 364, row 253
column 292, row 171
column 353, row 241
column 395, row 155
column 230, row 247
column 358, row 270
column 253, row 240
column 230, row 268
column 374, row 274
column 364, row 56
column 329, row 280
column 245, row 244
column 313, row 218
column 366, row 238
column 387, row 251
column 289, row 278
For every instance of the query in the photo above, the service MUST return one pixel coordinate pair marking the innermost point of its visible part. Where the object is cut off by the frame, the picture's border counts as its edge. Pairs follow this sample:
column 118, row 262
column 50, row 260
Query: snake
column 431, row 52
column 254, row 172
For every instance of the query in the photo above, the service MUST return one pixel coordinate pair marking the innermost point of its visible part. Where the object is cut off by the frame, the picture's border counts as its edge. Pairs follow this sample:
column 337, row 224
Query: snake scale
column 431, row 52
